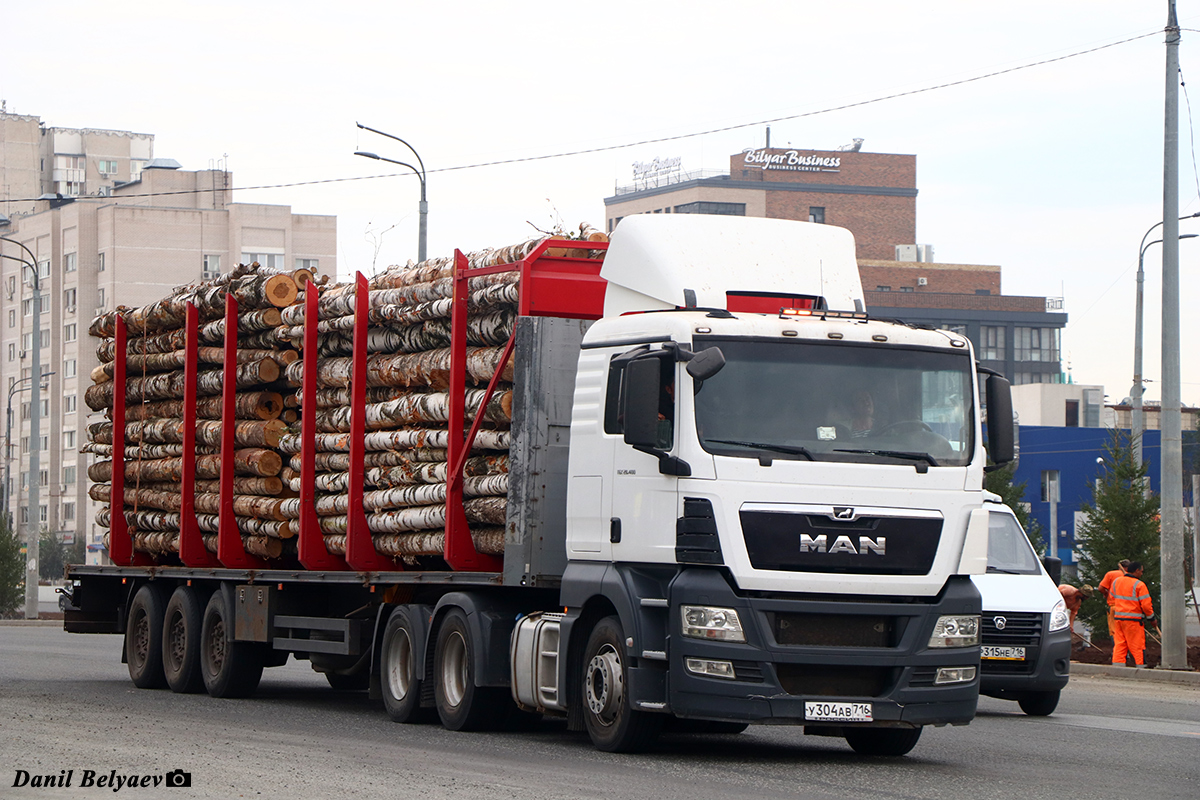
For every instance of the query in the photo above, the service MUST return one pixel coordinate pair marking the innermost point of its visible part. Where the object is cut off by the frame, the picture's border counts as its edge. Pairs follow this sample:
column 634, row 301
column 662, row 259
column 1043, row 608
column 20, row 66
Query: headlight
column 955, row 631
column 708, row 622
column 1059, row 618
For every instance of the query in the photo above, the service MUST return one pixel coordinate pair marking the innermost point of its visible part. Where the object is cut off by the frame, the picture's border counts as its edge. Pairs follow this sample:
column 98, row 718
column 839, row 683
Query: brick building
column 874, row 196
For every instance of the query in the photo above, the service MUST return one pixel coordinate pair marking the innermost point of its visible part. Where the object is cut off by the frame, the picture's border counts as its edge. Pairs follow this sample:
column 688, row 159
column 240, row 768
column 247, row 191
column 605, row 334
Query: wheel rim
column 454, row 669
column 605, row 685
column 399, row 667
column 176, row 642
column 140, row 640
column 215, row 657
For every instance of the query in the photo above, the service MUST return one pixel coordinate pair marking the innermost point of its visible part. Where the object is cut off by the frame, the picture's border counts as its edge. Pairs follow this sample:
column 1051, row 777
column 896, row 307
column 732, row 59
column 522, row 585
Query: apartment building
column 166, row 228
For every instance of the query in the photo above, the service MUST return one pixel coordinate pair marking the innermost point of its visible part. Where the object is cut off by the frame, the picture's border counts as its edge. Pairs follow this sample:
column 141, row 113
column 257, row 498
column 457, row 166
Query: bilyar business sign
column 658, row 168
column 791, row 161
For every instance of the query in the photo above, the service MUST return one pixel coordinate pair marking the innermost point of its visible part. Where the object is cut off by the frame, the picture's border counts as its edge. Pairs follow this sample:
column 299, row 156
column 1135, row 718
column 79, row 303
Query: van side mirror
column 1053, row 568
column 1001, row 446
column 639, row 401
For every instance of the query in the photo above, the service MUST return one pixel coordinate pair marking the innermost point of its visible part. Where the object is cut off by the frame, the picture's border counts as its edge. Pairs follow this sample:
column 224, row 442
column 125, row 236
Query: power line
column 676, row 137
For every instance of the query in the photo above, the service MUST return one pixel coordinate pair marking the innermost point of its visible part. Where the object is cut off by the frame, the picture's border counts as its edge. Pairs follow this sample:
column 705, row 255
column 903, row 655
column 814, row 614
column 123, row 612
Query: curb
column 1156, row 675
column 32, row 623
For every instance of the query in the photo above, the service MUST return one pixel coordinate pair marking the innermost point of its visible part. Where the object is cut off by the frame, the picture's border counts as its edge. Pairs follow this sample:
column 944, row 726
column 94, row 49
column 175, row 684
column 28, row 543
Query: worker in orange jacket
column 1132, row 609
column 1105, row 588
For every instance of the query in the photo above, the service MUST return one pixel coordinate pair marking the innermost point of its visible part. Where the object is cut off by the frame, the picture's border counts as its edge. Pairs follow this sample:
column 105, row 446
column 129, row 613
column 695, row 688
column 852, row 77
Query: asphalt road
column 66, row 703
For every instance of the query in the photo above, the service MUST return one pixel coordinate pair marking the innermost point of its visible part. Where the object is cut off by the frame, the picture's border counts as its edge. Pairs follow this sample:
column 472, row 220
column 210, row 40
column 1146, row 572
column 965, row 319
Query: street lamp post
column 16, row 387
column 1137, row 422
column 35, row 443
column 423, row 207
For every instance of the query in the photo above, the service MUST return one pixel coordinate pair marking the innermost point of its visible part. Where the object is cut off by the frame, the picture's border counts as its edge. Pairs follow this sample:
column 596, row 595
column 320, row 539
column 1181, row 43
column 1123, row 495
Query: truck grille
column 834, row 630
column 1020, row 630
column 821, row 680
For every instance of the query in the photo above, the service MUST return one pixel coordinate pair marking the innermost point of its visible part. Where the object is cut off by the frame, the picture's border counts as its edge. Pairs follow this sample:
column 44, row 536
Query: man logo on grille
column 843, row 513
column 1000, row 622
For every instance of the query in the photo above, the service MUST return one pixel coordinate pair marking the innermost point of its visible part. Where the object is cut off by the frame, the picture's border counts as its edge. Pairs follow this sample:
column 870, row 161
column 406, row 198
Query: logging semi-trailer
column 676, row 478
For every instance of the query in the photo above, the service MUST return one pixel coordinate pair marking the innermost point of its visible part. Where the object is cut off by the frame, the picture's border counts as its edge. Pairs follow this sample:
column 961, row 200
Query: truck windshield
column 837, row 402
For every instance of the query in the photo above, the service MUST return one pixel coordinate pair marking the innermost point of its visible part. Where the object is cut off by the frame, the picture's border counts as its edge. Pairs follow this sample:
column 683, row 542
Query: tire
column 461, row 705
column 613, row 726
column 143, row 638
column 230, row 669
column 883, row 741
column 181, row 641
column 1039, row 704
column 398, row 671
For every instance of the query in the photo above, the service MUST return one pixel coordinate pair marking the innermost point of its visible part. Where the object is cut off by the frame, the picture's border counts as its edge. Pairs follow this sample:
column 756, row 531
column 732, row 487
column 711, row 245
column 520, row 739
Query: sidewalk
column 1155, row 675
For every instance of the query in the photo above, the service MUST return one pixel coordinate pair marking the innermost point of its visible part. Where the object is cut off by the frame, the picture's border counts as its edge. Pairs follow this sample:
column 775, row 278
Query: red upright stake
column 230, row 549
column 311, row 545
column 360, row 549
column 120, row 544
column 459, row 549
column 192, row 551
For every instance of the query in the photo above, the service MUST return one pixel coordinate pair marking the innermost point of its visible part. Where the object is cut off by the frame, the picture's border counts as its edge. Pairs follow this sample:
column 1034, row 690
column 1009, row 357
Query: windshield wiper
column 897, row 454
column 776, row 448
column 1007, row 571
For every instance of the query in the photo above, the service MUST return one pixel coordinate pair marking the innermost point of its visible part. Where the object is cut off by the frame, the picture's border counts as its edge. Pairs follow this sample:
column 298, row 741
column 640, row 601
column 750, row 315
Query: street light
column 35, row 441
column 16, row 387
column 1137, row 423
column 423, row 208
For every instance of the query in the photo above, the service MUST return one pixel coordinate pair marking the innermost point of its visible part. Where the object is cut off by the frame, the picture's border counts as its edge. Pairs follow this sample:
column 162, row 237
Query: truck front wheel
column 181, row 641
column 143, row 639
column 883, row 741
column 398, row 670
column 613, row 726
column 230, row 669
column 1039, row 704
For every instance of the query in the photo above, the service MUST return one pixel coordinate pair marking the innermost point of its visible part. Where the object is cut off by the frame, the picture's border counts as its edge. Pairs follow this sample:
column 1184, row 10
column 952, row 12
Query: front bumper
column 839, row 650
column 1045, row 669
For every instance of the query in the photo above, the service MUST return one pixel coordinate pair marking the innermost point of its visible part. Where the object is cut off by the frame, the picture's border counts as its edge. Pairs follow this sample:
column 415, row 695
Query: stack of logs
column 154, row 424
column 408, row 377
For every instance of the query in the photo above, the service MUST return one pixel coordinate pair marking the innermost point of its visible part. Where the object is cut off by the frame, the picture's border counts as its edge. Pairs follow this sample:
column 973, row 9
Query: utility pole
column 1174, row 654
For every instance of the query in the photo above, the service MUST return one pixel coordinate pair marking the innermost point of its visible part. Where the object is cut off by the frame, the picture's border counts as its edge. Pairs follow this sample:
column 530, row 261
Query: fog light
column 947, row 675
column 713, row 669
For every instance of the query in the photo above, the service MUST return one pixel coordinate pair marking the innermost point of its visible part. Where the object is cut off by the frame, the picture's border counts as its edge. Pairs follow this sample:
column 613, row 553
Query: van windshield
column 837, row 402
column 1009, row 550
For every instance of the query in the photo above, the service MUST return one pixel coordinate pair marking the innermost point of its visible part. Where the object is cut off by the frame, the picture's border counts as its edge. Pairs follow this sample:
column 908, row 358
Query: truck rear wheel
column 1039, row 704
column 461, row 705
column 181, row 641
column 613, row 726
column 883, row 741
column 143, row 638
column 230, row 669
column 398, row 670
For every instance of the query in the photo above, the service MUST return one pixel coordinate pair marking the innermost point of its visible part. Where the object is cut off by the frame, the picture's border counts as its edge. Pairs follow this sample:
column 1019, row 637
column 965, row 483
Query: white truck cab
column 1026, row 647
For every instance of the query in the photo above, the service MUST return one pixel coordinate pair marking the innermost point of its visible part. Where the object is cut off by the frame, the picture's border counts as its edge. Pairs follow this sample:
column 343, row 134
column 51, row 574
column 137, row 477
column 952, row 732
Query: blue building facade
column 1073, row 453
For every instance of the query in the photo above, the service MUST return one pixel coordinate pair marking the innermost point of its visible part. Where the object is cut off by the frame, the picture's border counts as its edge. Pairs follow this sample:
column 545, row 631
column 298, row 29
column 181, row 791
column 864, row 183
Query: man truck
column 700, row 529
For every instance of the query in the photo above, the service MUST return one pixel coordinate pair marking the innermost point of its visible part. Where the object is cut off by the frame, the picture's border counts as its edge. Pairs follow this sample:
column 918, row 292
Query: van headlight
column 1059, row 618
column 957, row 630
column 711, row 622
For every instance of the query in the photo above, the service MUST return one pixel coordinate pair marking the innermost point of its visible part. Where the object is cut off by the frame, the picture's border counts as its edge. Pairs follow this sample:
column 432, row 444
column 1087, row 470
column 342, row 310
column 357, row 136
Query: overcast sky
column 1053, row 172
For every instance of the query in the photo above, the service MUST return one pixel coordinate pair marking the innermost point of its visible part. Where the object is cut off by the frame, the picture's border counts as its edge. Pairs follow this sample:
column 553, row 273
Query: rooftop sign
column 791, row 161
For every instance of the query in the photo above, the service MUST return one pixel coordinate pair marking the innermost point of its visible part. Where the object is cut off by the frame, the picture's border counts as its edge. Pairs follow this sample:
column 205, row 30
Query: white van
column 1026, row 642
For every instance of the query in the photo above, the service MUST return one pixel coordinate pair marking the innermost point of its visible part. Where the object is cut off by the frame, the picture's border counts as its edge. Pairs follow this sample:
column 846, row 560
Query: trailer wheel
column 143, row 639
column 883, row 741
column 181, row 641
column 1039, row 704
column 398, row 671
column 612, row 724
column 461, row 705
column 230, row 669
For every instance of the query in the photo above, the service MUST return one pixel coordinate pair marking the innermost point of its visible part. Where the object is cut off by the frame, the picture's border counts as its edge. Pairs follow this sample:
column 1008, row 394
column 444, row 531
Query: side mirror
column 640, row 401
column 706, row 363
column 1054, row 568
column 1001, row 446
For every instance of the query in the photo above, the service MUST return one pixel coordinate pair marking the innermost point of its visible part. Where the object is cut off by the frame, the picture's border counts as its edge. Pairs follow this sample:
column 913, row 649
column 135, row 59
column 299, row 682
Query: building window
column 136, row 165
column 108, row 167
column 69, row 300
column 24, row 411
column 1036, row 344
column 816, row 214
column 68, row 404
column 68, row 474
column 906, row 288
column 24, row 515
column 27, row 341
column 44, row 269
column 100, row 262
column 69, row 439
column 10, row 286
column 69, row 368
column 954, row 327
column 269, row 260
column 44, row 514
column 100, row 298
column 1049, row 486
column 212, row 268
column 70, row 332
column 12, row 318
column 68, row 512
column 991, row 342
column 883, row 288
column 725, row 209
column 70, row 262
column 309, row 264
column 12, row 351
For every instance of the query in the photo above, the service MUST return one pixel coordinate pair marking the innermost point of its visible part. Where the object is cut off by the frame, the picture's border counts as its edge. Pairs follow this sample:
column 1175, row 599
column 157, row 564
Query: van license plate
column 1002, row 653
column 839, row 712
